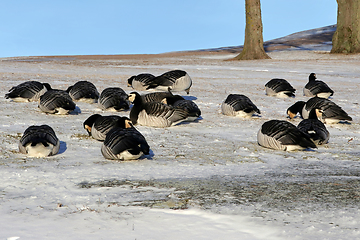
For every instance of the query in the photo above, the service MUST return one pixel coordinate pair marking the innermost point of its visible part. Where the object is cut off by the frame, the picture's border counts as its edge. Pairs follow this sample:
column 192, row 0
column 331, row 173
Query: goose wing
column 53, row 99
column 280, row 133
column 25, row 90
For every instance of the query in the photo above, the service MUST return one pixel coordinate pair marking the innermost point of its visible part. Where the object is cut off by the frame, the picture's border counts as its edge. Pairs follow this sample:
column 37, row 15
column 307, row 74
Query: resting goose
column 155, row 114
column 56, row 102
column 180, row 102
column 114, row 99
column 238, row 105
column 330, row 112
column 317, row 88
column 124, row 144
column 279, row 88
column 283, row 135
column 83, row 91
column 98, row 126
column 140, row 82
column 175, row 80
column 155, row 96
column 27, row 91
column 39, row 141
column 315, row 128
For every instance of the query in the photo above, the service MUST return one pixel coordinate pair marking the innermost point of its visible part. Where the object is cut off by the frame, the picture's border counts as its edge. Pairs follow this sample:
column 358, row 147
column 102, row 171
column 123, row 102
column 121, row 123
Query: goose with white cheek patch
column 56, row 102
column 315, row 128
column 98, row 126
column 114, row 99
column 155, row 114
column 175, row 80
column 29, row 91
column 280, row 88
column 124, row 144
column 317, row 88
column 180, row 102
column 283, row 135
column 238, row 105
column 39, row 141
column 331, row 113
column 83, row 91
column 141, row 81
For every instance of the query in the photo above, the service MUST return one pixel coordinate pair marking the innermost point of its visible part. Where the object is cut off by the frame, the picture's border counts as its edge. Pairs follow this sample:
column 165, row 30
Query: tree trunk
column 346, row 38
column 254, row 43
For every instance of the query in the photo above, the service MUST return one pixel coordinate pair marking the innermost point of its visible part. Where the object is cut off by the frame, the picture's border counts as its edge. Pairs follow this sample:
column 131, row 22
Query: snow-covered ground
column 203, row 180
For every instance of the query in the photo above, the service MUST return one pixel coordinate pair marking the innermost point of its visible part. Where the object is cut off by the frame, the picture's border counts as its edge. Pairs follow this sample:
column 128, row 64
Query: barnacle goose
column 83, row 91
column 315, row 128
column 27, row 91
column 141, row 81
column 176, row 80
column 56, row 102
column 124, row 143
column 330, row 112
column 114, row 99
column 156, row 96
column 188, row 105
column 238, row 105
column 279, row 88
column 39, row 141
column 98, row 126
column 155, row 114
column 283, row 135
column 317, row 88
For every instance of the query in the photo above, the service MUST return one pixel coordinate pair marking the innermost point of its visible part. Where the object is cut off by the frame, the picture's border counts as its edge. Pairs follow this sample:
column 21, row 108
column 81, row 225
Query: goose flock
column 161, row 109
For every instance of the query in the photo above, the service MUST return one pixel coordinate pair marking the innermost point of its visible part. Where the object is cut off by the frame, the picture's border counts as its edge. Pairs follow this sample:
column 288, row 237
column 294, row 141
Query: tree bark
column 346, row 38
column 254, row 43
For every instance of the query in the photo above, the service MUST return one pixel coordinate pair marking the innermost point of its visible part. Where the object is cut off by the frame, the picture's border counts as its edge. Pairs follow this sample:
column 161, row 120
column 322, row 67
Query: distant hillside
column 318, row 39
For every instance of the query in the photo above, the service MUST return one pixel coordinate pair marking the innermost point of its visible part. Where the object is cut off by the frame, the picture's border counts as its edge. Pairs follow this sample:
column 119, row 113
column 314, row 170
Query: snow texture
column 207, row 179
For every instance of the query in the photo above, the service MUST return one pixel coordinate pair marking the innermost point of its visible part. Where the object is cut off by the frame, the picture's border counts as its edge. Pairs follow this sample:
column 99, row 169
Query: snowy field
column 203, row 180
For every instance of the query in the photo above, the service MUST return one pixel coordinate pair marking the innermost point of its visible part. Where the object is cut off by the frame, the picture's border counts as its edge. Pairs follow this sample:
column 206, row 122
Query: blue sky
column 33, row 28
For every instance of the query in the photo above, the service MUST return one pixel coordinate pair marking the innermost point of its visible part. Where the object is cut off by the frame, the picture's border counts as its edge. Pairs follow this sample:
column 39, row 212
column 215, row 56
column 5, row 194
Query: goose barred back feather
column 283, row 135
column 98, row 126
column 238, row 105
column 27, row 91
column 83, row 91
column 155, row 114
column 279, row 88
column 56, row 102
column 124, row 144
column 317, row 88
column 39, row 141
column 114, row 98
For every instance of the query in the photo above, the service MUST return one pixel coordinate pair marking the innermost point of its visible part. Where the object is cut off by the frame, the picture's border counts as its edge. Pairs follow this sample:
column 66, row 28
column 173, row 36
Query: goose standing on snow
column 279, row 88
column 283, row 135
column 114, row 99
column 180, row 102
column 39, row 141
column 155, row 114
column 27, row 91
column 98, row 126
column 315, row 128
column 317, row 88
column 330, row 112
column 140, row 82
column 238, row 105
column 56, row 102
column 83, row 91
column 124, row 143
column 175, row 80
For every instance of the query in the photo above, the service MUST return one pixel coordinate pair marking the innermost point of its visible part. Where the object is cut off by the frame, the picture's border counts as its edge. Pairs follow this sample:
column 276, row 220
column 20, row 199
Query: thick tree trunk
column 346, row 38
column 254, row 43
